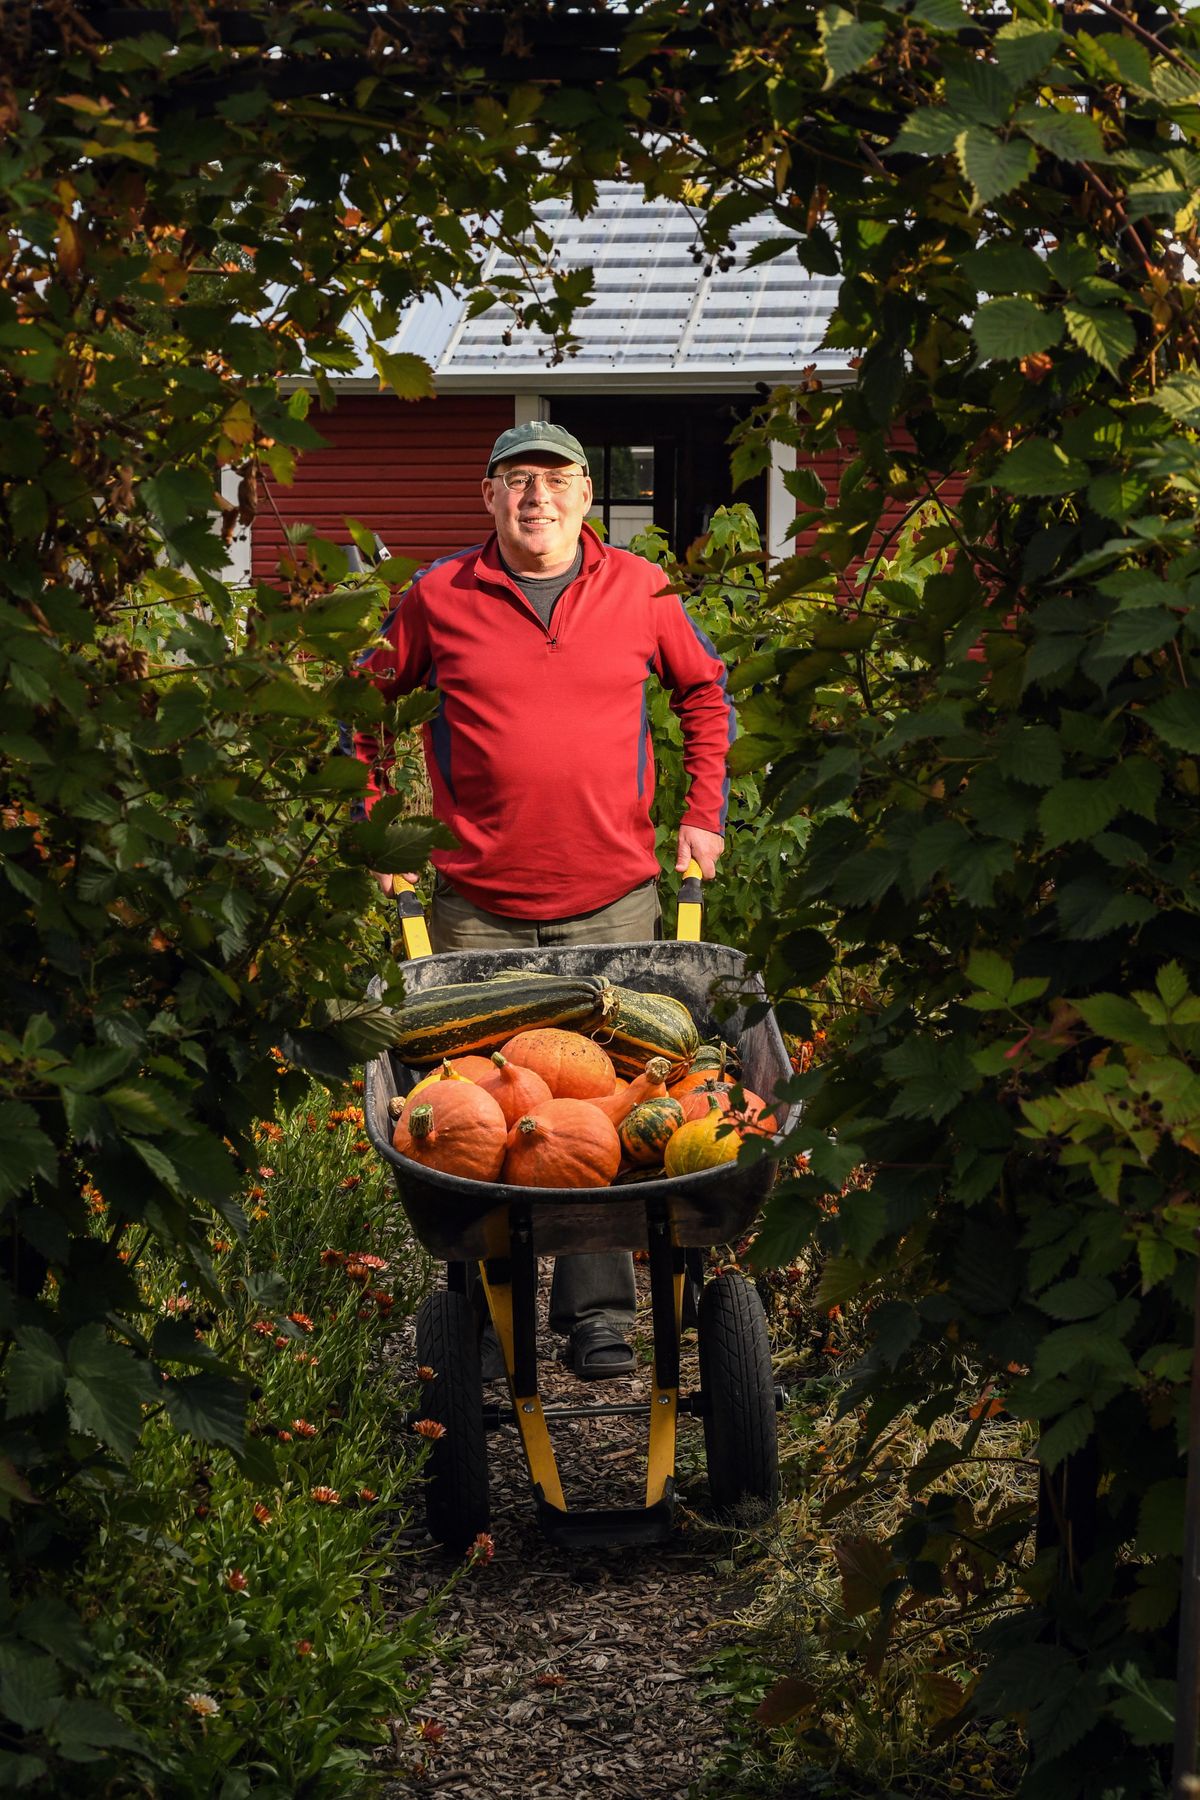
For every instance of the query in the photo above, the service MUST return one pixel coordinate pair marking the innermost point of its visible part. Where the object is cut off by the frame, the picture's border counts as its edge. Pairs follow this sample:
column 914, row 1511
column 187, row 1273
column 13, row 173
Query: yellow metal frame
column 531, row 1421
column 688, row 915
column 413, row 928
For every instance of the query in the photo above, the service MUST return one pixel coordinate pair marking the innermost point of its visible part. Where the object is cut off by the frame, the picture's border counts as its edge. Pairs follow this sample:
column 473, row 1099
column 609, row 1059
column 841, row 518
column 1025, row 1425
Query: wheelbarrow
column 502, row 1231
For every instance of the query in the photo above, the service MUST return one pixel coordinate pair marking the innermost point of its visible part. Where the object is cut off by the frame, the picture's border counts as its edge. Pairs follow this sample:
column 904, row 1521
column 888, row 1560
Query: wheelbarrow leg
column 511, row 1290
column 666, row 1310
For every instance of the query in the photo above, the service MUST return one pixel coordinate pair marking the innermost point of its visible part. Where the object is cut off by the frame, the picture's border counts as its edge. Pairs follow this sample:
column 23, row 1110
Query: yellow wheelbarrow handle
column 412, row 919
column 691, row 903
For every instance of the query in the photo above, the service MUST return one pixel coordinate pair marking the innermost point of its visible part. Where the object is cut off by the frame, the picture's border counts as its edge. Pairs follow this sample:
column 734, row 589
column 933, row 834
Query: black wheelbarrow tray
column 505, row 1229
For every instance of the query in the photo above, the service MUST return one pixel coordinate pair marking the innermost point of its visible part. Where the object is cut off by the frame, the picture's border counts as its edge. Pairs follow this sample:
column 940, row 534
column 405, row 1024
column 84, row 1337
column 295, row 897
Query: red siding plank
column 409, row 470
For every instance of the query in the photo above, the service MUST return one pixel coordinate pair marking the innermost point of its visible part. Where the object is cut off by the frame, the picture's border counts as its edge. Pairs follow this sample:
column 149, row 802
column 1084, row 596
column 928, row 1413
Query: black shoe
column 598, row 1353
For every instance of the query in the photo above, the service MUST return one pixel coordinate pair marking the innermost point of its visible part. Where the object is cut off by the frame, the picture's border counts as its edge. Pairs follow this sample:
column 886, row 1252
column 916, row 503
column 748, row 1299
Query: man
column 541, row 642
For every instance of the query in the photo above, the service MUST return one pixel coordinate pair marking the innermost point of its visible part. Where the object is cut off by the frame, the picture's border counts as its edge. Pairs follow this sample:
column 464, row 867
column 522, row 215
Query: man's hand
column 705, row 846
column 387, row 883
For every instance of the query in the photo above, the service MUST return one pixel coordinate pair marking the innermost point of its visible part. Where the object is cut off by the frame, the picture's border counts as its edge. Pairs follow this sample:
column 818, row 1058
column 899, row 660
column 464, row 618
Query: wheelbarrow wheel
column 456, row 1476
column 740, row 1444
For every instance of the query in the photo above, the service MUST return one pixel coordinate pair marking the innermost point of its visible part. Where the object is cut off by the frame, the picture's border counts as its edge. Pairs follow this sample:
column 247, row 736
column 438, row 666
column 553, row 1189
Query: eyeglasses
column 519, row 481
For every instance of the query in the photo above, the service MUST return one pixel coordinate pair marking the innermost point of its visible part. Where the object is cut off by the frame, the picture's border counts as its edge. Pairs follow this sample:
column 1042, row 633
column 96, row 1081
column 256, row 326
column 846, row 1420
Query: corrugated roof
column 656, row 313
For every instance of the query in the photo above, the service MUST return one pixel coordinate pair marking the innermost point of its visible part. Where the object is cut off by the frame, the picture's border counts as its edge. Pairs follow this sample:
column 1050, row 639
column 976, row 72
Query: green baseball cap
column 537, row 436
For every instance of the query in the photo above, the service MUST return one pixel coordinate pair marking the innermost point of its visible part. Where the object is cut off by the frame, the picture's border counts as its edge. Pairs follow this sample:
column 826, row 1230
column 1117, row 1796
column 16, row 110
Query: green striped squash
column 646, row 1025
column 648, row 1129
column 480, row 1016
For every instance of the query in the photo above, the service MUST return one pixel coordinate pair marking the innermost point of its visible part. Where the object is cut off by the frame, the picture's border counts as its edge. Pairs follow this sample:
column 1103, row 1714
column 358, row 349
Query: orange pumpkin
column 751, row 1116
column 565, row 1143
column 460, row 1068
column 455, row 1127
column 628, row 1094
column 701, row 1144
column 571, row 1065
column 517, row 1090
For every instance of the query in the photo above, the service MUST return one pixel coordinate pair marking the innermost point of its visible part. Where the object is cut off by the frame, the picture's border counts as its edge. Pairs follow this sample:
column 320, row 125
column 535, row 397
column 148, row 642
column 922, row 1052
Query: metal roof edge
column 596, row 381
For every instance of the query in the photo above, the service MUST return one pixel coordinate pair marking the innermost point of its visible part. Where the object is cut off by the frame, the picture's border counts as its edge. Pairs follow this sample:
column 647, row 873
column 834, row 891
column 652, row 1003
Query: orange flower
column 257, row 1193
column 220, row 1245
column 350, row 1183
column 302, row 1320
column 358, row 1086
column 331, row 1257
column 364, row 1312
column 325, row 1496
column 263, row 1327
column 267, row 1174
column 285, row 1437
column 425, row 1373
column 304, row 1647
column 357, row 1270
column 370, row 1262
column 303, row 1429
column 202, row 1511
column 430, row 1732
column 429, row 1428
column 484, row 1548
column 383, row 1301
column 549, row 1680
column 262, row 1513
column 236, row 1582
column 281, row 1343
column 360, row 1148
column 367, row 1494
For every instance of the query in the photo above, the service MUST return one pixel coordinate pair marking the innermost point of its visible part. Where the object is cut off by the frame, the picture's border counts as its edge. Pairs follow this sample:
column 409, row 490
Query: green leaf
column 83, row 1728
column 1177, row 719
column 866, row 1567
column 1068, row 1433
column 842, row 1279
column 1039, row 467
column 992, row 166
column 1082, row 1297
column 36, row 1372
column 1179, row 397
column 930, row 131
column 1146, row 1707
column 1075, row 810
column 107, row 1387
column 847, row 42
column 989, row 971
column 1010, row 328
column 1114, row 1017
column 25, row 1150
column 409, row 377
column 939, row 15
column 209, row 1407
column 1071, row 136
column 1107, row 336
column 1023, row 49
column 31, row 1691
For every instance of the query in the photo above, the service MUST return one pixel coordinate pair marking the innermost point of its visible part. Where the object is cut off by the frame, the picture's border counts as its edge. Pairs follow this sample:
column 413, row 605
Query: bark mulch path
column 574, row 1672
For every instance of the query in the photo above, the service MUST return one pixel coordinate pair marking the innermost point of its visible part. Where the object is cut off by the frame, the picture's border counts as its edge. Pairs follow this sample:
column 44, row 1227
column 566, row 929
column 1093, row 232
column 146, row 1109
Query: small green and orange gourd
column 647, row 1129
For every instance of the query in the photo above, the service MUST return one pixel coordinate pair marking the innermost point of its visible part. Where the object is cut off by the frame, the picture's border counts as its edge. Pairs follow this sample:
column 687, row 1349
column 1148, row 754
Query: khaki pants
column 598, row 1285
column 456, row 924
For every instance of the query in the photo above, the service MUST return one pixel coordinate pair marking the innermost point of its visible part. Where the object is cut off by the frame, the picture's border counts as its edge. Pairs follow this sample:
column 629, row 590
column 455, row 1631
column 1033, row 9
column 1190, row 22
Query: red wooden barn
column 672, row 353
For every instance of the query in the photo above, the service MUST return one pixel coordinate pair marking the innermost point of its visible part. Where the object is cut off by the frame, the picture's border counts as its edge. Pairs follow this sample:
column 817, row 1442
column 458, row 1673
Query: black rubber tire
column 456, row 1474
column 741, row 1446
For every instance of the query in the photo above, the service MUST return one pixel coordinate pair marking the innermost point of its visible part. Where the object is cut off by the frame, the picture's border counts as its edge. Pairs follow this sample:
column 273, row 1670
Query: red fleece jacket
column 539, row 756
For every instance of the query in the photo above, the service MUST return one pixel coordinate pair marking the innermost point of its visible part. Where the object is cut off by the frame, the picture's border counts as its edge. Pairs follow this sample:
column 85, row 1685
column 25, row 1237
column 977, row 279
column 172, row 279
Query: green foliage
column 977, row 682
column 181, row 886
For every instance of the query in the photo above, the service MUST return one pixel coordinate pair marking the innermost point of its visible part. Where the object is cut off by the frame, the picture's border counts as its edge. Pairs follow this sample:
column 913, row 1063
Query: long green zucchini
column 479, row 1016
column 645, row 1025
